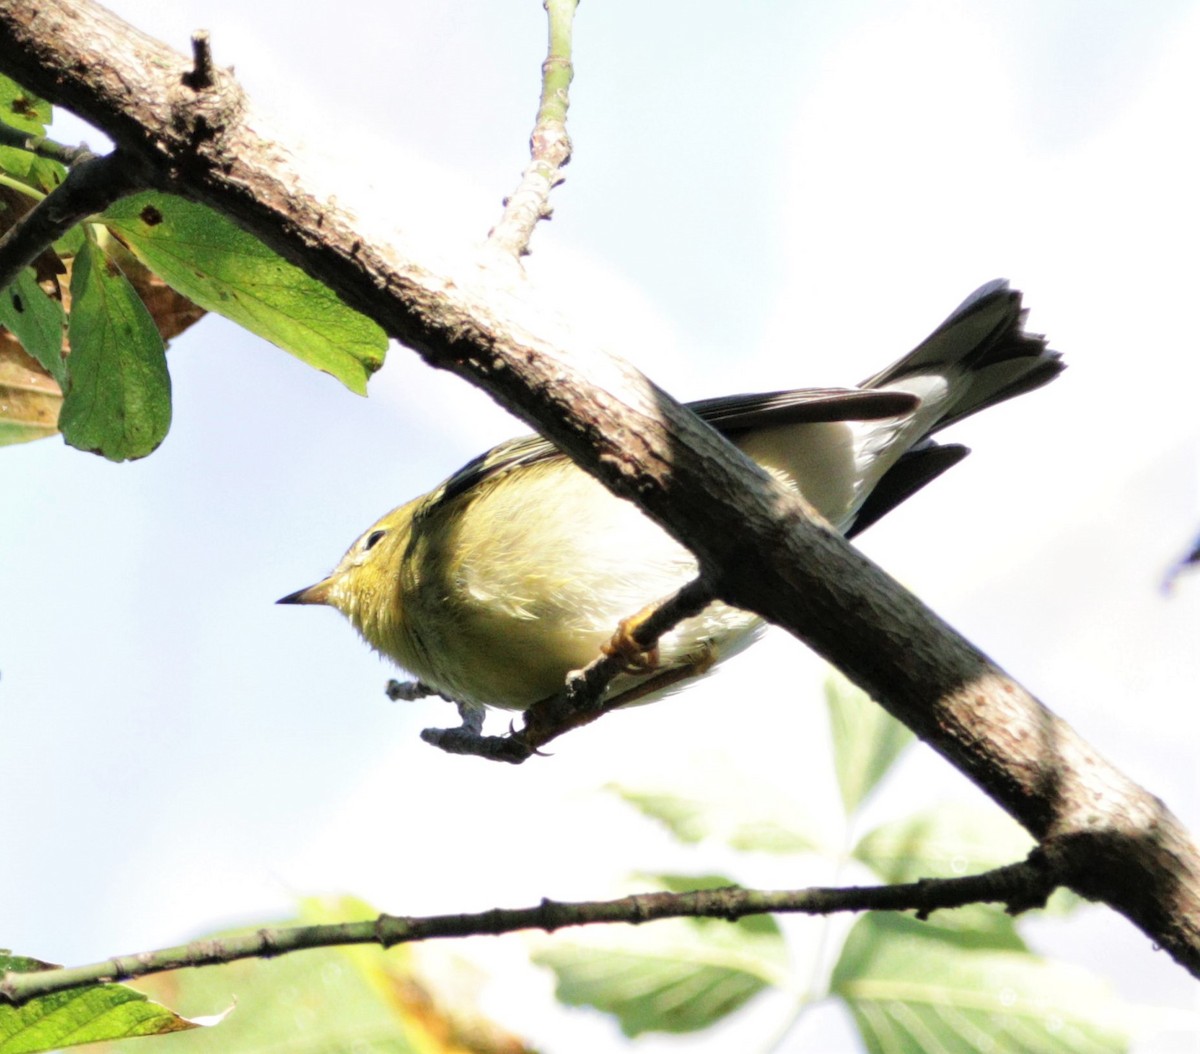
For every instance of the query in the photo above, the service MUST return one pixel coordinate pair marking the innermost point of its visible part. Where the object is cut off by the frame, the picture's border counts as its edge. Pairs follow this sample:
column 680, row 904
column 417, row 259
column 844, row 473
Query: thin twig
column 1019, row 886
column 89, row 188
column 200, row 77
column 43, row 147
column 582, row 699
column 549, row 145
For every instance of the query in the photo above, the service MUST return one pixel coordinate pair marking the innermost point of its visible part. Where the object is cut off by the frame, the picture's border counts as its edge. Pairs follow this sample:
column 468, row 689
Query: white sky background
column 763, row 195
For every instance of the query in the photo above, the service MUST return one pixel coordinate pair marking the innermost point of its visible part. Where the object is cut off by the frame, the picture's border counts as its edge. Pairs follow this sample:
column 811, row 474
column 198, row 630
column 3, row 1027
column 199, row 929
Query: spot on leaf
column 150, row 216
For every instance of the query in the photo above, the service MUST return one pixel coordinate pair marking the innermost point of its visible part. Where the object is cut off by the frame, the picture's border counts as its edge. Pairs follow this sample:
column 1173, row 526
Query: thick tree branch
column 759, row 546
column 1019, row 886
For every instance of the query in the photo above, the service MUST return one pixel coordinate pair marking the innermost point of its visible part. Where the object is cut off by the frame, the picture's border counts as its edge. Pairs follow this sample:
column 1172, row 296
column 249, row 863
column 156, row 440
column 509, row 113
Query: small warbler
column 519, row 568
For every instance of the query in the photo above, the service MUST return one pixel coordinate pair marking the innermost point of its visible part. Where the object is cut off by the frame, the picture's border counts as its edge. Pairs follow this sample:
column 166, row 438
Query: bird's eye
column 373, row 539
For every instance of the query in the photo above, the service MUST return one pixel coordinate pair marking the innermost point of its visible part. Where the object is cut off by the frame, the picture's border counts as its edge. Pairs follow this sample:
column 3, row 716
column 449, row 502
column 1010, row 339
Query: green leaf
column 678, row 975
column 82, row 1015
column 722, row 804
column 119, row 399
column 22, row 109
column 16, row 162
column 223, row 269
column 36, row 320
column 912, row 988
column 866, row 740
column 45, row 173
column 71, row 243
column 944, row 842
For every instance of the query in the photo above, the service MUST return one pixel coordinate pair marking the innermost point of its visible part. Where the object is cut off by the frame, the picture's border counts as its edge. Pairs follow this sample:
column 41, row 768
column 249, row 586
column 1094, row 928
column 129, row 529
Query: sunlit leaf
column 866, row 740
column 912, row 988
column 81, row 1015
column 119, row 400
column 223, row 269
column 944, row 842
column 22, row 109
column 676, row 975
column 722, row 804
column 16, row 162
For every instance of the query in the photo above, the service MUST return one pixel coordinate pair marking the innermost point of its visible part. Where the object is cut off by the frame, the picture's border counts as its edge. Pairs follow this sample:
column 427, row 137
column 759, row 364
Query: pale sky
column 763, row 195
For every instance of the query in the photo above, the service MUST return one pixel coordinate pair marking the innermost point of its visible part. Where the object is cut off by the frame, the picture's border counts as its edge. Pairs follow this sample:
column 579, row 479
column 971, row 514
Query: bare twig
column 549, row 145
column 1018, row 886
column 43, row 147
column 90, row 187
column 200, row 77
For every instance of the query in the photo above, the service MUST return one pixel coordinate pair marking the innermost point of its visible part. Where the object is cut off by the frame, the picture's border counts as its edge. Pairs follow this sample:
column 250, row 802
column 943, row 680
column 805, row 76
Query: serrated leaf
column 223, row 269
column 22, row 109
column 866, row 740
column 119, row 400
column 912, row 989
column 724, row 805
column 678, row 975
column 82, row 1015
column 36, row 320
column 29, row 398
column 943, row 842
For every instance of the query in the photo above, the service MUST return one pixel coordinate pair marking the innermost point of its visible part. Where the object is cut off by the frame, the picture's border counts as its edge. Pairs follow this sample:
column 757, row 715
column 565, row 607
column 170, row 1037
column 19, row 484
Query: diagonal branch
column 760, row 546
column 1019, row 886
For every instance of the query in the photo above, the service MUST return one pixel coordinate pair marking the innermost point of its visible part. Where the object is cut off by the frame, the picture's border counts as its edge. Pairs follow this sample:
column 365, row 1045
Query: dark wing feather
column 912, row 470
column 728, row 414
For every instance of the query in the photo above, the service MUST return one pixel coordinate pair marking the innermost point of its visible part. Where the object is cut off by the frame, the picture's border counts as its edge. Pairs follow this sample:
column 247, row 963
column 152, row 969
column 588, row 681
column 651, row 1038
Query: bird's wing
column 730, row 415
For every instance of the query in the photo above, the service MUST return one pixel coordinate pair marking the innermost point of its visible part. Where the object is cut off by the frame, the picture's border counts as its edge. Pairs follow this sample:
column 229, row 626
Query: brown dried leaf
column 29, row 398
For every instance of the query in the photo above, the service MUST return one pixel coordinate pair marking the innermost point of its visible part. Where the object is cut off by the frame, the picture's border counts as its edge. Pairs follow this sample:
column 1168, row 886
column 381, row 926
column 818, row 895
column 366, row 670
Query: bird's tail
column 981, row 351
column 980, row 356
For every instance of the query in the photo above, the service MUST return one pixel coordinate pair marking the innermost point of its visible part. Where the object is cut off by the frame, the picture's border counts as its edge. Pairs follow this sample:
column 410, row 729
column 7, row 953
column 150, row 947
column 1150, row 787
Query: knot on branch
column 207, row 101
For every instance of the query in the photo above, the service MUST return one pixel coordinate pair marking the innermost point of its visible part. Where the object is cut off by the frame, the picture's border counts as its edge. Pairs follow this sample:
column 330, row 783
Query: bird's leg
column 577, row 706
column 467, row 738
column 625, row 646
column 410, row 691
column 700, row 662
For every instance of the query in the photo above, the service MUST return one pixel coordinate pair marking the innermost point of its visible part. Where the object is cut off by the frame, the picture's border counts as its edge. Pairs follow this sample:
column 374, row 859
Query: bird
column 518, row 569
